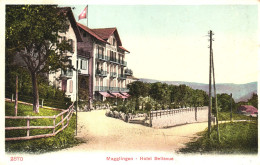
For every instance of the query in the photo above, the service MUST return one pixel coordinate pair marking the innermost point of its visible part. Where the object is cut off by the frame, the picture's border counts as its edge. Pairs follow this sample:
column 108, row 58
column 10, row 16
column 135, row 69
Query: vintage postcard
column 164, row 82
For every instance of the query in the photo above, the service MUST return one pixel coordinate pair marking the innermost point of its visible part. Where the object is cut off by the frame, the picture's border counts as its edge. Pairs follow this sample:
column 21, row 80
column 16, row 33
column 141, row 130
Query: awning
column 120, row 95
column 105, row 94
column 126, row 94
column 117, row 94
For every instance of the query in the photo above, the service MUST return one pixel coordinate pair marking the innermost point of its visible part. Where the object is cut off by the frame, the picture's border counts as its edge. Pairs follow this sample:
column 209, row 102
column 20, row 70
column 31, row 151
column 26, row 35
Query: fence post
column 16, row 97
column 54, row 119
column 150, row 119
column 62, row 121
column 42, row 102
column 12, row 98
column 28, row 126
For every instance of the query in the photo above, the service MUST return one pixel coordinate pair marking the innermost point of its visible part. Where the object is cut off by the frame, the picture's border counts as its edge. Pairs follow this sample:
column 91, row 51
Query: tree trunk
column 35, row 93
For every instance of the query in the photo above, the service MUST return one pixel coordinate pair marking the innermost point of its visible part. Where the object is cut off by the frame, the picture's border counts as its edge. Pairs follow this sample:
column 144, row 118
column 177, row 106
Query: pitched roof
column 69, row 14
column 102, row 34
column 88, row 30
column 247, row 108
column 105, row 33
column 121, row 47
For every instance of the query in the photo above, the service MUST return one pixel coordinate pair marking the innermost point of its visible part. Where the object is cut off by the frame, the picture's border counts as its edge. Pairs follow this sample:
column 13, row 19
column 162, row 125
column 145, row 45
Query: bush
column 148, row 106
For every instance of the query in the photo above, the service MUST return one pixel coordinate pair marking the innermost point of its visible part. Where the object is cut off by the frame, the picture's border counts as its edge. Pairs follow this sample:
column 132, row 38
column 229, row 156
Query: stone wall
column 173, row 117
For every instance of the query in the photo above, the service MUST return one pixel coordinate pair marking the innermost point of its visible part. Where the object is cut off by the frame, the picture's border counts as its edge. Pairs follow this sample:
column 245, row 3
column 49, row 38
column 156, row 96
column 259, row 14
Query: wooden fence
column 68, row 114
column 172, row 111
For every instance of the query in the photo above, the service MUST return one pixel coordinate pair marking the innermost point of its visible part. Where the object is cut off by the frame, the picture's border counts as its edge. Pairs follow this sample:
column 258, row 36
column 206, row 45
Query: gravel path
column 102, row 133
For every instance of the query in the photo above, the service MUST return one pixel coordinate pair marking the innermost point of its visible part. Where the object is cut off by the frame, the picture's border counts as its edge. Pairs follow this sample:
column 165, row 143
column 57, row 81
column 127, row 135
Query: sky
column 170, row 42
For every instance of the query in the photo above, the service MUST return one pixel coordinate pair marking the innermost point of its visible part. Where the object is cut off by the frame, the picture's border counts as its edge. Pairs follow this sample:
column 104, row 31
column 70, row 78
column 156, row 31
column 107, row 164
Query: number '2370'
column 16, row 158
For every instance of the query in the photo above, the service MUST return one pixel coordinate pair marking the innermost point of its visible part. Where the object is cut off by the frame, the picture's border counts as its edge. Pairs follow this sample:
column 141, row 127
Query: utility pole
column 215, row 95
column 77, row 98
column 210, row 103
column 231, row 107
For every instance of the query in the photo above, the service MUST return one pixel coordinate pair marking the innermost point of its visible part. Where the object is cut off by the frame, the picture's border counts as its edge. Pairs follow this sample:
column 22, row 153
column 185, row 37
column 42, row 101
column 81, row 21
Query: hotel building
column 108, row 74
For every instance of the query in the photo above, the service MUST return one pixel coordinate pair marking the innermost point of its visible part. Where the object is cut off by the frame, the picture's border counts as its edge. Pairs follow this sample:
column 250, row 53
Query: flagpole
column 87, row 16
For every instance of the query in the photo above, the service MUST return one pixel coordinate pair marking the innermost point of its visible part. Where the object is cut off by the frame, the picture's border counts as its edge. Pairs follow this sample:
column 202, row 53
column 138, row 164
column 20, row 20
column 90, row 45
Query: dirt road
column 102, row 133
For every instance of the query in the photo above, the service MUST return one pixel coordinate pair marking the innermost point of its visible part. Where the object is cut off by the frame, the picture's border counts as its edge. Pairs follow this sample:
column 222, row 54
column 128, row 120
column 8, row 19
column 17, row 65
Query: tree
column 33, row 36
column 138, row 89
column 161, row 93
column 224, row 102
column 253, row 100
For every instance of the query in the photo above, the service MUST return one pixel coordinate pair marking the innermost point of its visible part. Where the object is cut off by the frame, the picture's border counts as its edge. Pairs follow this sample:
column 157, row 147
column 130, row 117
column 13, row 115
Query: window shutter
column 71, row 86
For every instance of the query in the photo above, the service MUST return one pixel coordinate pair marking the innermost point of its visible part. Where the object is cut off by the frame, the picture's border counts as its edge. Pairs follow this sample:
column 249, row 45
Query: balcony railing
column 113, row 74
column 122, row 76
column 102, row 57
column 101, row 88
column 124, row 90
column 111, row 89
column 114, row 89
column 122, row 63
column 113, row 60
column 66, row 73
column 101, row 73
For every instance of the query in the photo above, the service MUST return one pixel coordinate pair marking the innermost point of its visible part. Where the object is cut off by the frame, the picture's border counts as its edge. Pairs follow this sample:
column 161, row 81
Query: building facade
column 66, row 80
column 108, row 73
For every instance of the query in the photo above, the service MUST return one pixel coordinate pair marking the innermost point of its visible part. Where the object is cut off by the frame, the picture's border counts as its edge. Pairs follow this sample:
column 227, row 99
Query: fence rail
column 173, row 111
column 68, row 116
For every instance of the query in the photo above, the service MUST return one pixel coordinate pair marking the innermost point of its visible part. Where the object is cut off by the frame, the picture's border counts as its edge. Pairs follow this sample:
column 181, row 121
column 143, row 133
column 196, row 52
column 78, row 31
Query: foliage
column 224, row 103
column 164, row 96
column 160, row 93
column 33, row 38
column 83, row 91
column 51, row 95
column 62, row 140
column 236, row 138
column 253, row 100
column 148, row 106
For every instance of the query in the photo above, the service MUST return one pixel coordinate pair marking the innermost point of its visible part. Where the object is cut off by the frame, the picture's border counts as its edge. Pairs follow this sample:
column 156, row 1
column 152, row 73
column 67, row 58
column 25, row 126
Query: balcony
column 102, row 57
column 66, row 74
column 128, row 72
column 122, row 76
column 101, row 73
column 101, row 88
column 113, row 74
column 124, row 90
column 123, row 63
column 113, row 60
column 114, row 89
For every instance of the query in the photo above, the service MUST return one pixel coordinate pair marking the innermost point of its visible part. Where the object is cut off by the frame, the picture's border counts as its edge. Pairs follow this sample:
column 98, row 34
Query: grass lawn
column 235, row 138
column 63, row 139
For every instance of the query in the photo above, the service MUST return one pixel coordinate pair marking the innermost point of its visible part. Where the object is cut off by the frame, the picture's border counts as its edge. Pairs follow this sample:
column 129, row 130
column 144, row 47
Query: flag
column 83, row 14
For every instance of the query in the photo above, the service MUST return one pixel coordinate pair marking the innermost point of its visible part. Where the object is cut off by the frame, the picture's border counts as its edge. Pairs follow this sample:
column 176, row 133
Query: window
column 100, row 51
column 114, row 42
column 71, row 42
column 71, row 86
column 64, row 85
column 83, row 64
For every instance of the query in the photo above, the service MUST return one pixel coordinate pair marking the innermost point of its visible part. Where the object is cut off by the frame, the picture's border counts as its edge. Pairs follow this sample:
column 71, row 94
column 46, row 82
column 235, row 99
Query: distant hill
column 240, row 92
